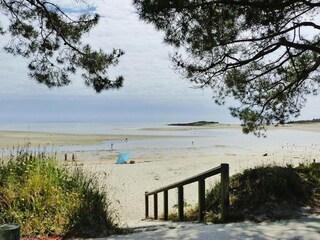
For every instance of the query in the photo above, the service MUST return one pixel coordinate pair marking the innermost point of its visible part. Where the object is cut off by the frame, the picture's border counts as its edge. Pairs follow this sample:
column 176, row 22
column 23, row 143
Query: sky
column 152, row 91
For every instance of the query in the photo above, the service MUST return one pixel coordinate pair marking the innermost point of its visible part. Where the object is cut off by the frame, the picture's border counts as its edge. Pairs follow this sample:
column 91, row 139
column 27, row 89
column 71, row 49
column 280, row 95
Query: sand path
column 307, row 228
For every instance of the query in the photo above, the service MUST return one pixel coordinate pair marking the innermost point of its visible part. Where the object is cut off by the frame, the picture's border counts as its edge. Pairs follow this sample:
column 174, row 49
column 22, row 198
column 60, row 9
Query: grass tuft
column 47, row 198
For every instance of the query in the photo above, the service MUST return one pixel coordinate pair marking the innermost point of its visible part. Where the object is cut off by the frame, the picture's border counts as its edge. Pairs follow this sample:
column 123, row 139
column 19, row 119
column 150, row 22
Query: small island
column 193, row 124
column 315, row 120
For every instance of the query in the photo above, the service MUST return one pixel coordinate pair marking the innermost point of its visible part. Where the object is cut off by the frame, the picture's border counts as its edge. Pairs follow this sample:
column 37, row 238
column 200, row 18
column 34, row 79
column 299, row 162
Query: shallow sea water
column 222, row 140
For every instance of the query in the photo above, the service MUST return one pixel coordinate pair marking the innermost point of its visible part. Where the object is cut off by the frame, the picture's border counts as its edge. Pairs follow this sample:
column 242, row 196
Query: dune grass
column 264, row 193
column 270, row 192
column 47, row 198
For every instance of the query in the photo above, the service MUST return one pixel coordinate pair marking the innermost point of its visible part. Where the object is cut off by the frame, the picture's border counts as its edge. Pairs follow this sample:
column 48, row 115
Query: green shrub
column 270, row 184
column 46, row 198
column 312, row 173
column 268, row 192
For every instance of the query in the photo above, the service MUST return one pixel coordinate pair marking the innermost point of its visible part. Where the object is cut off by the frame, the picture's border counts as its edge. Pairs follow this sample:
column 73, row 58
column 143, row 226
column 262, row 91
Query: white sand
column 306, row 228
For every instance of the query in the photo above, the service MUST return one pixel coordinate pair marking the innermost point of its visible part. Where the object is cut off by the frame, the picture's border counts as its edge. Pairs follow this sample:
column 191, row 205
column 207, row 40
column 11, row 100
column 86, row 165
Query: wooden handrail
column 200, row 178
column 204, row 175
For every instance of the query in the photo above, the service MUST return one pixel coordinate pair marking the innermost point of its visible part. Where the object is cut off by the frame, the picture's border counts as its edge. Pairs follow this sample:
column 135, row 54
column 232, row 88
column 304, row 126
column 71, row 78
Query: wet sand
column 9, row 139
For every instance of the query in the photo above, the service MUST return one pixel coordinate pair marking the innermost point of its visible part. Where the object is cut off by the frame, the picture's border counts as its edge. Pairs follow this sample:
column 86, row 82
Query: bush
column 268, row 192
column 270, row 184
column 46, row 198
column 312, row 173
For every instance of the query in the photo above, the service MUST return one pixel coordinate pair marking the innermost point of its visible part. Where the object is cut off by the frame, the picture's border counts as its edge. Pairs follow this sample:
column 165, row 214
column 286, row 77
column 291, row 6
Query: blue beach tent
column 122, row 158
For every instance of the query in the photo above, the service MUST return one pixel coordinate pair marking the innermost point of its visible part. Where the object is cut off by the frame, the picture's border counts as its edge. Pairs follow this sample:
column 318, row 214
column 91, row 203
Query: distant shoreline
column 210, row 123
column 193, row 124
column 10, row 138
column 304, row 121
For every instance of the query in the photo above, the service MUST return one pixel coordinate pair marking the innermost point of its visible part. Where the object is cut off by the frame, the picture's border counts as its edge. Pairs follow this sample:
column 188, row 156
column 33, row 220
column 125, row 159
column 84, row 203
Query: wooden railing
column 200, row 178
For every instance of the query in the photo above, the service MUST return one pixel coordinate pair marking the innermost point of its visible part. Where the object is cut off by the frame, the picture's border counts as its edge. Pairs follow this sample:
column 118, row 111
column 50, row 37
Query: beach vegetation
column 264, row 193
column 270, row 192
column 47, row 198
column 262, row 56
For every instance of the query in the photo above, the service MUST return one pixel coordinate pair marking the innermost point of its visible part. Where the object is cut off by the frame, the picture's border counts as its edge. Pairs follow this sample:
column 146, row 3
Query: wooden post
column 147, row 204
column 155, row 203
column 165, row 205
column 10, row 232
column 65, row 156
column 224, row 192
column 180, row 203
column 202, row 199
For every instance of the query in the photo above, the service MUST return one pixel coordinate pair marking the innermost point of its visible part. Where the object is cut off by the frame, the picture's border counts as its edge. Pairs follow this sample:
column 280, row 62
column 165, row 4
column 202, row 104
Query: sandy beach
column 164, row 155
column 306, row 228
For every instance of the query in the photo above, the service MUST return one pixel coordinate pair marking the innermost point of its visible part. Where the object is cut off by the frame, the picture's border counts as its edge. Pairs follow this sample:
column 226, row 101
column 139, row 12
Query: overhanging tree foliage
column 263, row 53
column 43, row 32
